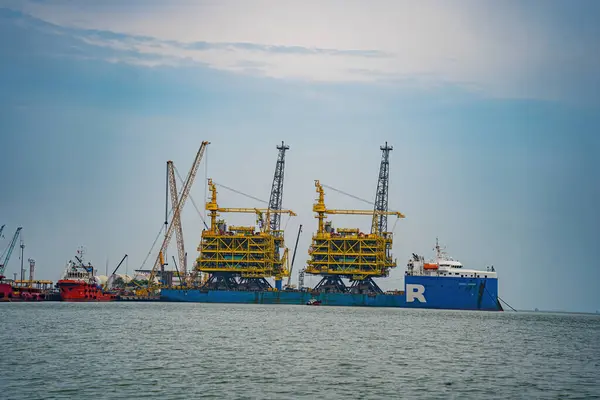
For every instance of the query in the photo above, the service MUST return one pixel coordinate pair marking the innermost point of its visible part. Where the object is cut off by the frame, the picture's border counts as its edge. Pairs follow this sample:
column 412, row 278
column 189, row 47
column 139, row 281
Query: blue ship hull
column 420, row 292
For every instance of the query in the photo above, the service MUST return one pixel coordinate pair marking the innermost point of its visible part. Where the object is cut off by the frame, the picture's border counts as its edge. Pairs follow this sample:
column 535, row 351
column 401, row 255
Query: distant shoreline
column 558, row 312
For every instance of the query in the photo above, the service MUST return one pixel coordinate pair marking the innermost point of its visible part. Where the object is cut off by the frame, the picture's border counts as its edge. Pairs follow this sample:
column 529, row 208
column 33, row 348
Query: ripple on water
column 182, row 351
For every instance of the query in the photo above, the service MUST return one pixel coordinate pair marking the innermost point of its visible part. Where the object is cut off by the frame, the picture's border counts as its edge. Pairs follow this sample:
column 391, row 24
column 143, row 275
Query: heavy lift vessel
column 239, row 259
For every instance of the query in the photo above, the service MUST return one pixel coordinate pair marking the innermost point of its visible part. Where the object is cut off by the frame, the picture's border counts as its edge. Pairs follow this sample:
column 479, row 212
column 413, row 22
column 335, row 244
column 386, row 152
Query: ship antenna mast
column 379, row 224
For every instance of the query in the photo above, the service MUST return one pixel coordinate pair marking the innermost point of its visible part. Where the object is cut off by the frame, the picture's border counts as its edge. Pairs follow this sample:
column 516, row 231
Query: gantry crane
column 7, row 253
column 276, row 203
column 159, row 262
column 227, row 253
column 348, row 253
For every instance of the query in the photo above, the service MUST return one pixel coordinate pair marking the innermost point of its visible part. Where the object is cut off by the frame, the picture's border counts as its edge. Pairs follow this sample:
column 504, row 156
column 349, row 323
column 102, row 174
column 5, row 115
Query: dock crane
column 7, row 253
column 159, row 262
column 177, row 221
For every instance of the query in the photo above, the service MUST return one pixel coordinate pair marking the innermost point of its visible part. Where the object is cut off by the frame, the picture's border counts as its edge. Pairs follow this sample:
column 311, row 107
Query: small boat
column 313, row 302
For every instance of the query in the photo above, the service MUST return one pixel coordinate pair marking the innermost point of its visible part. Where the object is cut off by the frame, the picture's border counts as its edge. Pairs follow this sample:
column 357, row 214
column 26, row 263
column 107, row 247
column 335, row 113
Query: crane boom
column 255, row 210
column 1, row 229
column 184, row 194
column 294, row 255
column 177, row 222
column 320, row 208
column 9, row 251
column 114, row 272
column 214, row 209
column 364, row 212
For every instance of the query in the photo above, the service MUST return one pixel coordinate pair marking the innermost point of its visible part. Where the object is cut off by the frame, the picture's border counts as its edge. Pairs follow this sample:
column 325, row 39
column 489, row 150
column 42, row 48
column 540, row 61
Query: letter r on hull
column 415, row 292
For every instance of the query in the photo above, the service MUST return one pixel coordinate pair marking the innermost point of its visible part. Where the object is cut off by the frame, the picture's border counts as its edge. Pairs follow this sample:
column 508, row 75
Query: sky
column 492, row 109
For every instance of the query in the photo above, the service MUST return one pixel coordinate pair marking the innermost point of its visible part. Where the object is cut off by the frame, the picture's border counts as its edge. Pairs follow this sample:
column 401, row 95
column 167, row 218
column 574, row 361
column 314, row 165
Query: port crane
column 7, row 253
column 177, row 221
column 159, row 262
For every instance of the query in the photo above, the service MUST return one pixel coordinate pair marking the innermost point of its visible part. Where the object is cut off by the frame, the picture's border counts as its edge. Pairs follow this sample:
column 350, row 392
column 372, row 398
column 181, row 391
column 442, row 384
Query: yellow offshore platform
column 349, row 253
column 241, row 257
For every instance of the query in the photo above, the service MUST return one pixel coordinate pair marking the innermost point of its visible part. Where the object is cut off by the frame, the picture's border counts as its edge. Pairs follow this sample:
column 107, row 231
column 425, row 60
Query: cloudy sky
column 493, row 110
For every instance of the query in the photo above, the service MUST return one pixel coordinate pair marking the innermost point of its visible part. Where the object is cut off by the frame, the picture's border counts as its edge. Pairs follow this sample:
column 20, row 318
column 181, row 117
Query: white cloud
column 500, row 48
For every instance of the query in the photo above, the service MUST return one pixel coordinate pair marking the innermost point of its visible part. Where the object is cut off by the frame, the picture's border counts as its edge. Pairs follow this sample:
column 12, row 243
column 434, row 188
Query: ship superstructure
column 443, row 265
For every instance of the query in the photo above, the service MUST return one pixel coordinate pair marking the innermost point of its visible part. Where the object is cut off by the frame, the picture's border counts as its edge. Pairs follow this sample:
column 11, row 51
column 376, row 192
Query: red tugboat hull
column 73, row 290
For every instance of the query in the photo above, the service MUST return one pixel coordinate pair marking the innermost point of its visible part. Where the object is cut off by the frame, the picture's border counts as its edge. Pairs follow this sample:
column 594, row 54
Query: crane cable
column 153, row 244
column 357, row 198
column 240, row 192
column 191, row 198
column 287, row 222
column 251, row 197
column 348, row 194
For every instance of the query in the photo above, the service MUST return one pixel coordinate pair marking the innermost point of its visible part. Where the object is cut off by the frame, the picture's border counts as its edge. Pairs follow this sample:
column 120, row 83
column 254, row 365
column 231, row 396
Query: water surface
column 184, row 351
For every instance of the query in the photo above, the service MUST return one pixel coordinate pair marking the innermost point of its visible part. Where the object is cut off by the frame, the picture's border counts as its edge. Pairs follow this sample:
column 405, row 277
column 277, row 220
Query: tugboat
column 313, row 302
column 79, row 284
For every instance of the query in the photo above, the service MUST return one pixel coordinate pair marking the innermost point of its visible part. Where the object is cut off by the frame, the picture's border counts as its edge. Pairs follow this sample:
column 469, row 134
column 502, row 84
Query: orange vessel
column 79, row 284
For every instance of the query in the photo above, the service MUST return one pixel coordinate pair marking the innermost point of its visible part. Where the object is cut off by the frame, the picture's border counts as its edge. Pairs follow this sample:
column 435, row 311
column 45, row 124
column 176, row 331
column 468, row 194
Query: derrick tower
column 240, row 257
column 275, row 203
column 381, row 196
column 276, row 199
